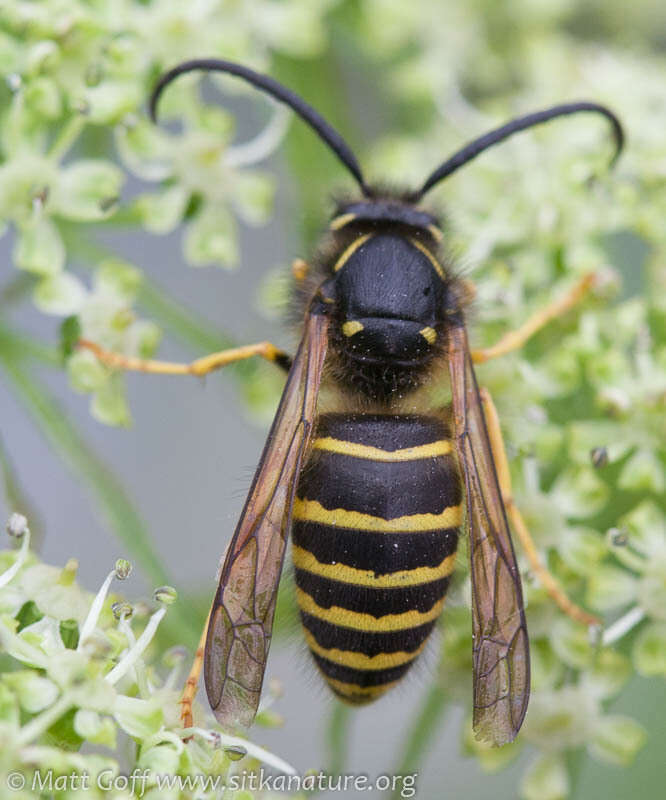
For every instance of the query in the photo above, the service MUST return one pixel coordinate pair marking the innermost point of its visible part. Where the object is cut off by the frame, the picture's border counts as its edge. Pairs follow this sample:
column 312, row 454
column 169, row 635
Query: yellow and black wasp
column 373, row 477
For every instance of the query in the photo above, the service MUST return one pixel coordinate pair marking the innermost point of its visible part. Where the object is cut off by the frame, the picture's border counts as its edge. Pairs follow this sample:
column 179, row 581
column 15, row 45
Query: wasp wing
column 241, row 620
column 500, row 644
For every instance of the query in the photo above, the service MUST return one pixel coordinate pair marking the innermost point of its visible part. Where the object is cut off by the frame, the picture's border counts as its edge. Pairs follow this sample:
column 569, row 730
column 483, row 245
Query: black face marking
column 390, row 292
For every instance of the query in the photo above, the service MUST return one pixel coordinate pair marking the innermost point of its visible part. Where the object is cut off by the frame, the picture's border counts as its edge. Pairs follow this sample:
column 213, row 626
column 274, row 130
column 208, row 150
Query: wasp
column 373, row 476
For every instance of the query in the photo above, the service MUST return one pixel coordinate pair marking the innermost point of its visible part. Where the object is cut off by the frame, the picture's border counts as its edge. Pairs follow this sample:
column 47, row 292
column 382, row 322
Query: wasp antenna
column 319, row 125
column 477, row 146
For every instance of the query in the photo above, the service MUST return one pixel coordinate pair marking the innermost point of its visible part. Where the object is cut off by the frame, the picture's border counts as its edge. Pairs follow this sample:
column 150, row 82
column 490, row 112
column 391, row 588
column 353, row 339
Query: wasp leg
column 202, row 366
column 192, row 682
column 300, row 269
column 548, row 581
column 516, row 339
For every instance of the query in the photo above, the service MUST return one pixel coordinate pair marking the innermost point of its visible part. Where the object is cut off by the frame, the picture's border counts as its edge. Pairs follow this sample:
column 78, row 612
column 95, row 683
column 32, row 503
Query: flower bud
column 122, row 610
column 165, row 595
column 599, row 457
column 123, row 569
column 17, row 525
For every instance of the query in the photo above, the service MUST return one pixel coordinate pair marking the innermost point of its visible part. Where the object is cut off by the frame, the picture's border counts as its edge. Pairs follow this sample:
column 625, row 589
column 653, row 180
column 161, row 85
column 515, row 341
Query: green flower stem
column 20, row 346
column 243, row 744
column 422, row 733
column 90, row 621
column 16, row 289
column 140, row 676
column 67, row 137
column 134, row 653
column 11, row 643
column 92, row 472
column 337, row 738
column 40, row 724
column 15, row 498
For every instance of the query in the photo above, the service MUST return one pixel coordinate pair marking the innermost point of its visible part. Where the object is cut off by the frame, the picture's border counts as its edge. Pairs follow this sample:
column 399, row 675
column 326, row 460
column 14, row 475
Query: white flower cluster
column 77, row 668
column 76, row 78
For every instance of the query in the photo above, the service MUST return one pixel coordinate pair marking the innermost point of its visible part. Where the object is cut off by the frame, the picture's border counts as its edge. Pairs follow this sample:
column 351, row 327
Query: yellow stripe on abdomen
column 305, row 560
column 366, row 622
column 313, row 511
column 355, row 450
column 349, row 658
column 357, row 695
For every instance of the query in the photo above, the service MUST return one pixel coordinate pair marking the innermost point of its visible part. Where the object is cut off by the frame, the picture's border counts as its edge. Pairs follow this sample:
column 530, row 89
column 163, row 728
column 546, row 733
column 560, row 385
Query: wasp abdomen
column 375, row 531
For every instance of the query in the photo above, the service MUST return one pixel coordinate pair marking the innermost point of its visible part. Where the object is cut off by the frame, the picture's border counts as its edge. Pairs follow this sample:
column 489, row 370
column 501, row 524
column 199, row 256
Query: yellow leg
column 300, row 269
column 201, row 366
column 192, row 682
column 547, row 580
column 516, row 339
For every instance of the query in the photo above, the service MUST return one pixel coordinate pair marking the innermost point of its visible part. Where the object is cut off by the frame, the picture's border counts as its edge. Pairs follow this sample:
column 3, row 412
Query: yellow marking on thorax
column 345, row 618
column 305, row 560
column 347, row 254
column 341, row 221
column 349, row 658
column 432, row 450
column 437, row 235
column 313, row 511
column 429, row 334
column 429, row 256
column 352, row 327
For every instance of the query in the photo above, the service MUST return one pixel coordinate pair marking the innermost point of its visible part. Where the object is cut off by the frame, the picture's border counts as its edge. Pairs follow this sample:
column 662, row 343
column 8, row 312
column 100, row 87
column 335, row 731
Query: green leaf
column 69, row 633
column 62, row 733
column 70, row 333
column 28, row 613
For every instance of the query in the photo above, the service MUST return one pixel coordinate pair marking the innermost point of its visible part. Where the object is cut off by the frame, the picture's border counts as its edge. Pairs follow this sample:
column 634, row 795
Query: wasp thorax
column 390, row 291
